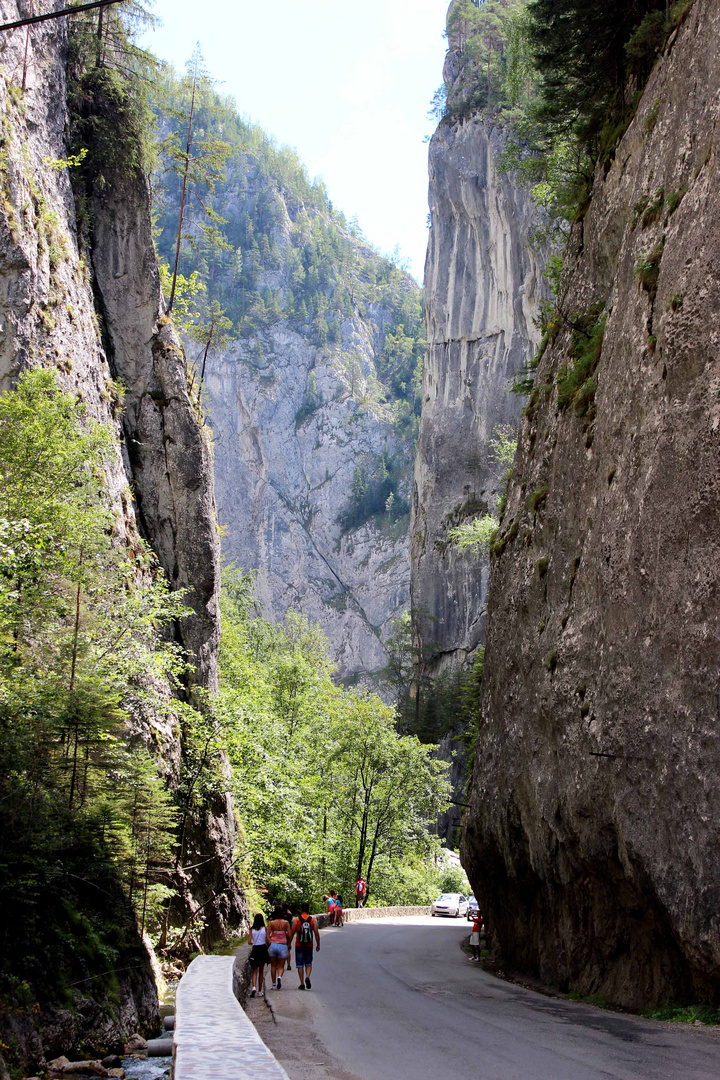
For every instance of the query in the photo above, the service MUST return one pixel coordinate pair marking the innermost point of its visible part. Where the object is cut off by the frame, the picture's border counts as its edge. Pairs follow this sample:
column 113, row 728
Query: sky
column 347, row 84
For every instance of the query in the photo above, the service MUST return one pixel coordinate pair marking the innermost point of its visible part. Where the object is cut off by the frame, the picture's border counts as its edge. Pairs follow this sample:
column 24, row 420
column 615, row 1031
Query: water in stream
column 154, row 1068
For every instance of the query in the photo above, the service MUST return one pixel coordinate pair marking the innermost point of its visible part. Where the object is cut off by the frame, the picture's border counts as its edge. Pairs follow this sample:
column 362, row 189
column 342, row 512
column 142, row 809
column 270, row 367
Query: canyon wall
column 79, row 291
column 284, row 479
column 592, row 837
column 483, row 285
column 483, row 288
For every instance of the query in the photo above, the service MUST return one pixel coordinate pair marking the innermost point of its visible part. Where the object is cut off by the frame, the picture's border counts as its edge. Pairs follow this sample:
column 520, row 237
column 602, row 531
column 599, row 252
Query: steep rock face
column 168, row 460
column 283, row 482
column 160, row 475
column 482, row 289
column 483, row 285
column 592, row 838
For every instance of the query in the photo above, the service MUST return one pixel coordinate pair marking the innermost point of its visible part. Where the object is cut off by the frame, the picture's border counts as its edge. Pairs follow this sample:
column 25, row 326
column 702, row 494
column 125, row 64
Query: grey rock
column 483, row 286
column 592, row 840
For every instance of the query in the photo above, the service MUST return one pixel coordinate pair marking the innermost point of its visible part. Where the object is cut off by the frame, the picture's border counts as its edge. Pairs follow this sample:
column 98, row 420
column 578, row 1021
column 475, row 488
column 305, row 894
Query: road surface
column 397, row 999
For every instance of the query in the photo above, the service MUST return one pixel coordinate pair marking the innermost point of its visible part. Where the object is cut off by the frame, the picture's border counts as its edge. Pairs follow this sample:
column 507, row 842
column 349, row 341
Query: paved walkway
column 214, row 1039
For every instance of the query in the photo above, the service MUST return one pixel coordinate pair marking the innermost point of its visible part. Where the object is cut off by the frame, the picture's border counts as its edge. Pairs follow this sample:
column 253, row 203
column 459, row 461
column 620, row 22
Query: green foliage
column 493, row 71
column 476, row 535
column 685, row 1014
column 648, row 208
column 85, row 823
column 108, row 75
column 647, row 268
column 503, row 445
column 537, row 498
column 576, row 381
column 376, row 494
column 311, row 402
column 326, row 785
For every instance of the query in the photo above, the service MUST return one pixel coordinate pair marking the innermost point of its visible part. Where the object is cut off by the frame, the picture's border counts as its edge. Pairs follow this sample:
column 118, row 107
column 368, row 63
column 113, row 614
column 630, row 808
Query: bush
column 576, row 382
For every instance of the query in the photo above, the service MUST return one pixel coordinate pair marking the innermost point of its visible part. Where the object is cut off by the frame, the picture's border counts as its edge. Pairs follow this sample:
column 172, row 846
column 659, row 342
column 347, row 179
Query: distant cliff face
column 592, row 837
column 312, row 399
column 483, row 284
column 284, row 479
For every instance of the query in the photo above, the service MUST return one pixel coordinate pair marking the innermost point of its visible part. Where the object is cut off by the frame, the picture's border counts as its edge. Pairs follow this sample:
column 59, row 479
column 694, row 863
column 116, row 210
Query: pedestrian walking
column 304, row 930
column 360, row 892
column 288, row 912
column 257, row 939
column 280, row 931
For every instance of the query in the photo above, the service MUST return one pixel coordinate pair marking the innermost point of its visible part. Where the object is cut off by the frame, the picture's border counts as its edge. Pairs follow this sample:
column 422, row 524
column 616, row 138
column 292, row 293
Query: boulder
column 76, row 1068
column 119, row 1074
column 112, row 1061
column 135, row 1044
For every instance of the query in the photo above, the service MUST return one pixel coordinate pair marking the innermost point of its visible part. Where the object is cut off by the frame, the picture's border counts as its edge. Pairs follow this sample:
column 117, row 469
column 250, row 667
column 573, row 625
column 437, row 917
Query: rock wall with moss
column 592, row 836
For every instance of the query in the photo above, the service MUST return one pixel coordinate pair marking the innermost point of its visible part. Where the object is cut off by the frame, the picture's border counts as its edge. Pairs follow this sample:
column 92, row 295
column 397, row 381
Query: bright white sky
column 347, row 84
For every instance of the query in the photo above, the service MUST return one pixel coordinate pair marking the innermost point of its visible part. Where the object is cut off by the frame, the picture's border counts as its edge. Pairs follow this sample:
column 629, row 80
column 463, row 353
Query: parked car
column 450, row 904
column 473, row 909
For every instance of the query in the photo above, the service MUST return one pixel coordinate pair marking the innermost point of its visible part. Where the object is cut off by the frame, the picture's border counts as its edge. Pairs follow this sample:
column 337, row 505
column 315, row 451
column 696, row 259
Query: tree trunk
column 184, row 193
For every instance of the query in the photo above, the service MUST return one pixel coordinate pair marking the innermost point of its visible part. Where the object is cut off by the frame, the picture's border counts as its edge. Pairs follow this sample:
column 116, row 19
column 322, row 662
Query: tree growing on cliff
column 198, row 159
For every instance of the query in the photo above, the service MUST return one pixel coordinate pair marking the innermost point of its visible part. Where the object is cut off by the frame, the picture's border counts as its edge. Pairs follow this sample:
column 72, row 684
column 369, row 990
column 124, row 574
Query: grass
column 684, row 1014
column 648, row 208
column 589, row 999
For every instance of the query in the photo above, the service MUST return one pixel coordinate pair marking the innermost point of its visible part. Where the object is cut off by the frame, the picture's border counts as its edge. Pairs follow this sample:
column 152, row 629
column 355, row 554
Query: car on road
column 473, row 909
column 454, row 904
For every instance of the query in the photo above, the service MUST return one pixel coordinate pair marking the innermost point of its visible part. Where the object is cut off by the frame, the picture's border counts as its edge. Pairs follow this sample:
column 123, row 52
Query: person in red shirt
column 475, row 937
column 360, row 892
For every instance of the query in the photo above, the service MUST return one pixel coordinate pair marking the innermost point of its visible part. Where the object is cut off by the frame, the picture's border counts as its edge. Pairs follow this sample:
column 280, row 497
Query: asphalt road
column 397, row 999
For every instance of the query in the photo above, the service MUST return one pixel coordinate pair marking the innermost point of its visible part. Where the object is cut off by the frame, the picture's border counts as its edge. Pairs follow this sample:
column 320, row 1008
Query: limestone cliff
column 592, row 839
column 284, row 480
column 313, row 395
column 85, row 298
column 483, row 284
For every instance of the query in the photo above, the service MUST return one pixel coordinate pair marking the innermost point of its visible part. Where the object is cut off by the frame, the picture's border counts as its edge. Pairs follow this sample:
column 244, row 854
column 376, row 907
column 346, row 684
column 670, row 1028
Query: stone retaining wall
column 213, row 1038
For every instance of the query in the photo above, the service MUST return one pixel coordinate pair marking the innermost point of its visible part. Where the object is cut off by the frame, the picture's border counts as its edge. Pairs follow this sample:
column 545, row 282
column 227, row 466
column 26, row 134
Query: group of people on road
column 334, row 907
column 272, row 944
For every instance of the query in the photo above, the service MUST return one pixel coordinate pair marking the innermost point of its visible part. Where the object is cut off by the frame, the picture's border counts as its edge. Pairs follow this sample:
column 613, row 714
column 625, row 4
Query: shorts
column 475, row 938
column 278, row 950
column 303, row 956
column 258, row 956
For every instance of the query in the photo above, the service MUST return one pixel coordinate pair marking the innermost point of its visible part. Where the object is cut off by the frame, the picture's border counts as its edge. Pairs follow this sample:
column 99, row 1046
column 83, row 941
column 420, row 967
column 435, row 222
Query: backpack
column 305, row 932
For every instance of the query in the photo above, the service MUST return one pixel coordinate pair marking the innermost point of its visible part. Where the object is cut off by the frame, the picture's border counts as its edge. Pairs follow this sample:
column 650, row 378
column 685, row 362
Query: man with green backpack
column 304, row 929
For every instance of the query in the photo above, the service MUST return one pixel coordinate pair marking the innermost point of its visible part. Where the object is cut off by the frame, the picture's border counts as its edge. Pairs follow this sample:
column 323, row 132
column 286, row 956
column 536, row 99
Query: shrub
column 576, row 381
column 648, row 269
column 537, row 498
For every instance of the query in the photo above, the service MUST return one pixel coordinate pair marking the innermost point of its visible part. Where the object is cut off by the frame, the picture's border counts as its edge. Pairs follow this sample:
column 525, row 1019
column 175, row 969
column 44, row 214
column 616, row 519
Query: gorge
column 258, row 377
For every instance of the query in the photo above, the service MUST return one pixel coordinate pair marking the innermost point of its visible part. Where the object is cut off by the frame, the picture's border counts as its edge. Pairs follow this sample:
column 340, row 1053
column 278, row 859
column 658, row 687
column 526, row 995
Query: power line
column 58, row 14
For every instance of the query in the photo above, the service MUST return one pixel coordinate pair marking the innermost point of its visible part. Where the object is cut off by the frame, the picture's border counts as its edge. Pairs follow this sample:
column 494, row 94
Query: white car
column 450, row 904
